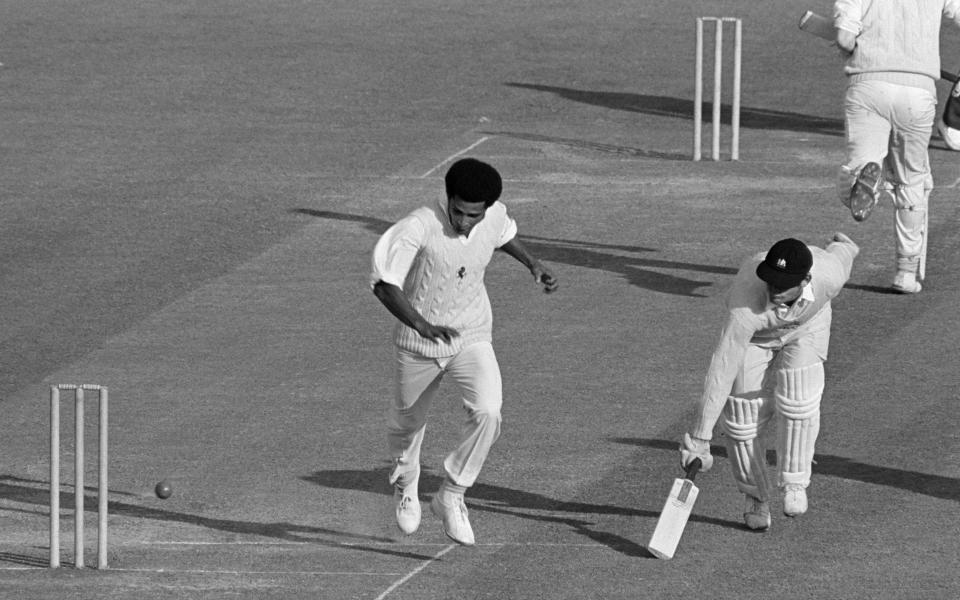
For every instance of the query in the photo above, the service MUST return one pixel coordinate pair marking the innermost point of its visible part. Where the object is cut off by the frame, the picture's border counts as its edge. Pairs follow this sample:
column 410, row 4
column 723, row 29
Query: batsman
column 766, row 377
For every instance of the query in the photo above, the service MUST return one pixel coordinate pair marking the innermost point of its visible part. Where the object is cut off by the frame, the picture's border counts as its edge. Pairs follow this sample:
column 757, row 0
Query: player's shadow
column 666, row 106
column 937, row 486
column 26, row 491
column 633, row 263
column 521, row 504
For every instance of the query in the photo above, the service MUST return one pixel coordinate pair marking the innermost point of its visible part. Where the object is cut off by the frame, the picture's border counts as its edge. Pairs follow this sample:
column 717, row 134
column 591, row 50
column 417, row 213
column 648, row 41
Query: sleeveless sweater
column 445, row 284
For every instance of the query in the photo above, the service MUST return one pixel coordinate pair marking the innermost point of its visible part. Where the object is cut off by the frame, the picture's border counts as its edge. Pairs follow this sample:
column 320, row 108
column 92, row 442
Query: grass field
column 191, row 191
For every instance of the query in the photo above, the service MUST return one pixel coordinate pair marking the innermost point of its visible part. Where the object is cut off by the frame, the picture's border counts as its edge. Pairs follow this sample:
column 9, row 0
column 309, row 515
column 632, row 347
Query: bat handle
column 693, row 468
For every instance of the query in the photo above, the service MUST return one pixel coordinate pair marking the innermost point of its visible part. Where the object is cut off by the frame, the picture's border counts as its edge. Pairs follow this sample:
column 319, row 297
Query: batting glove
column 692, row 448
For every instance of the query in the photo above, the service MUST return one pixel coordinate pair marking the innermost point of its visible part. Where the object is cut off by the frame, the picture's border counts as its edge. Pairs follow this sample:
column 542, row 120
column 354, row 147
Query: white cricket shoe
column 407, row 509
column 906, row 282
column 453, row 514
column 756, row 513
column 794, row 499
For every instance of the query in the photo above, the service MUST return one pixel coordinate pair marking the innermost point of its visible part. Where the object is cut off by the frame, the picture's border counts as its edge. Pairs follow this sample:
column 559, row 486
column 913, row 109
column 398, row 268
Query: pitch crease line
column 409, row 575
column 453, row 156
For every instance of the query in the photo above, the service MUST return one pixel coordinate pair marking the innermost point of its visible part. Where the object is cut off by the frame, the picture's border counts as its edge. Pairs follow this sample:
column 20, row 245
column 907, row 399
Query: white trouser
column 476, row 374
column 765, row 391
column 891, row 125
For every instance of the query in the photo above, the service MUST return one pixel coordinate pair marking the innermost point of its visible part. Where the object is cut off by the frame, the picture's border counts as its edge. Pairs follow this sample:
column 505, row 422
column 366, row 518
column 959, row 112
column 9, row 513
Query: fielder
column 428, row 271
column 768, row 366
column 892, row 51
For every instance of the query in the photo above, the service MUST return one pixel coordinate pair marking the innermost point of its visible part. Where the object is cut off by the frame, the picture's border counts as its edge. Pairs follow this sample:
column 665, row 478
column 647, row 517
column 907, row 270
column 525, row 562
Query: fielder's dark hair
column 473, row 180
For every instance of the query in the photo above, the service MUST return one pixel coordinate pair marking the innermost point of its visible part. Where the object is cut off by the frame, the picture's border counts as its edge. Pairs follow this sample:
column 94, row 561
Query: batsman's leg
column 798, row 395
column 910, row 162
column 744, row 420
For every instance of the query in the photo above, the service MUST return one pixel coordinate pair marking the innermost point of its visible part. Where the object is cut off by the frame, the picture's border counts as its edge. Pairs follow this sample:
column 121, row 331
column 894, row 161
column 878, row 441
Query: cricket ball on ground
column 163, row 490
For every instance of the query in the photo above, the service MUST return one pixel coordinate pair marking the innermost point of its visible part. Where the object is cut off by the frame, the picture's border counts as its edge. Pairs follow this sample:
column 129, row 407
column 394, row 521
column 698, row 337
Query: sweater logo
column 462, row 272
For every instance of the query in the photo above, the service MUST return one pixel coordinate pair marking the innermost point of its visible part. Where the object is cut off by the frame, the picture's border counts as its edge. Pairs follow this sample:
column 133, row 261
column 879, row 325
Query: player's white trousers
column 476, row 374
column 891, row 125
column 781, row 384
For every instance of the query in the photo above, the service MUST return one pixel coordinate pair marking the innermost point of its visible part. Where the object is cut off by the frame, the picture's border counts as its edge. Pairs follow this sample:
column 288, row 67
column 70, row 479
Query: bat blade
column 675, row 514
column 818, row 25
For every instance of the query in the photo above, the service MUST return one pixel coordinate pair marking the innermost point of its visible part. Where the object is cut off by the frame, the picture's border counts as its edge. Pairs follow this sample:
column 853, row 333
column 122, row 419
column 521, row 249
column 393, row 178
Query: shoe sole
column 863, row 196
column 903, row 290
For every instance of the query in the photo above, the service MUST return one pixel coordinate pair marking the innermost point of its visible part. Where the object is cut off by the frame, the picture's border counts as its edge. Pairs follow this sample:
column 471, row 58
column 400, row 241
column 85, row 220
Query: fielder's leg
column 798, row 396
column 477, row 374
column 418, row 380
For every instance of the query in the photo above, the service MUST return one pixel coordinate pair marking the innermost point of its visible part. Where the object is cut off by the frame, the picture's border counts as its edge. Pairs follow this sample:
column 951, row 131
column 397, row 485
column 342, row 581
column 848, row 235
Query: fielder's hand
column 544, row 276
column 692, row 448
column 438, row 332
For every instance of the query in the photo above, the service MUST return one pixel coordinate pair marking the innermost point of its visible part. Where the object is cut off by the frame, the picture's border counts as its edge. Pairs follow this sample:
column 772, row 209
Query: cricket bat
column 822, row 27
column 675, row 513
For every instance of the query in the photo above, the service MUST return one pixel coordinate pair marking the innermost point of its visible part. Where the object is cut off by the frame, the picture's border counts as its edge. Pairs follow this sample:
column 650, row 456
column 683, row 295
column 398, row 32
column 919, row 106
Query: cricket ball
column 163, row 490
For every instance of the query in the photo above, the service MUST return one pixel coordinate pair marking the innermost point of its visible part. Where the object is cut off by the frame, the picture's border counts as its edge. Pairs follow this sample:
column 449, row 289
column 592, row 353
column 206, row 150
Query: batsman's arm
column 396, row 302
column 541, row 273
column 724, row 364
column 845, row 250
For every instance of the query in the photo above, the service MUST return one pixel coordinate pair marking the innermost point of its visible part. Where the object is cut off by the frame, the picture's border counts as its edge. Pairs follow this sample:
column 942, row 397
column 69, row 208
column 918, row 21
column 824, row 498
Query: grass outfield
column 191, row 195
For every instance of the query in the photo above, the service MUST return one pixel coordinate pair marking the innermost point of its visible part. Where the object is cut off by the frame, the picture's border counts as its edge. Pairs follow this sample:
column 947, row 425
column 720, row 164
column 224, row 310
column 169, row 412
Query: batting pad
column 798, row 412
column 743, row 424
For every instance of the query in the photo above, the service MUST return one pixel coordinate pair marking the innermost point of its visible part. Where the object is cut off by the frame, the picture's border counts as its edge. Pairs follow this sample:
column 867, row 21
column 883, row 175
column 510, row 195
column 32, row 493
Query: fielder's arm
column 541, row 273
column 396, row 302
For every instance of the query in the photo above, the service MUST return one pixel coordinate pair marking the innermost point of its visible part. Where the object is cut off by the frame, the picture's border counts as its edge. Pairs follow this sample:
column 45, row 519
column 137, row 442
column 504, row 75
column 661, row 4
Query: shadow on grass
column 515, row 503
column 25, row 491
column 637, row 270
column 937, row 486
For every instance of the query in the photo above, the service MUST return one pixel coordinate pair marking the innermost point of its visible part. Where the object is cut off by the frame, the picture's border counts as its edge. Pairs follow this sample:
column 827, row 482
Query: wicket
column 78, row 474
column 717, row 86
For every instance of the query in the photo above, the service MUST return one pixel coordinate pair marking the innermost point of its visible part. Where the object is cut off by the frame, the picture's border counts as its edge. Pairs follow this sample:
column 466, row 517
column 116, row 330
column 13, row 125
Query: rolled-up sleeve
column 395, row 252
column 509, row 231
column 848, row 15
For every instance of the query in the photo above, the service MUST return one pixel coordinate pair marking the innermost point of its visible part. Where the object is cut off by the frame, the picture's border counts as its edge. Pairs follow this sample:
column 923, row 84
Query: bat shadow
column 484, row 497
column 936, row 486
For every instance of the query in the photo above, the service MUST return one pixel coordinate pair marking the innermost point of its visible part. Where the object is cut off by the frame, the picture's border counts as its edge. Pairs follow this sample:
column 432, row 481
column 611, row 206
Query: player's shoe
column 452, row 511
column 756, row 513
column 407, row 509
column 865, row 192
column 906, row 282
column 794, row 499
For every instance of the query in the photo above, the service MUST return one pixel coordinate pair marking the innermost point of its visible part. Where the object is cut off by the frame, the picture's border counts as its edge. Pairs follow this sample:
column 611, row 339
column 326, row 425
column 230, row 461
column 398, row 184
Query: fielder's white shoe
column 407, row 502
column 756, row 513
column 407, row 509
column 453, row 514
column 794, row 499
column 906, row 282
